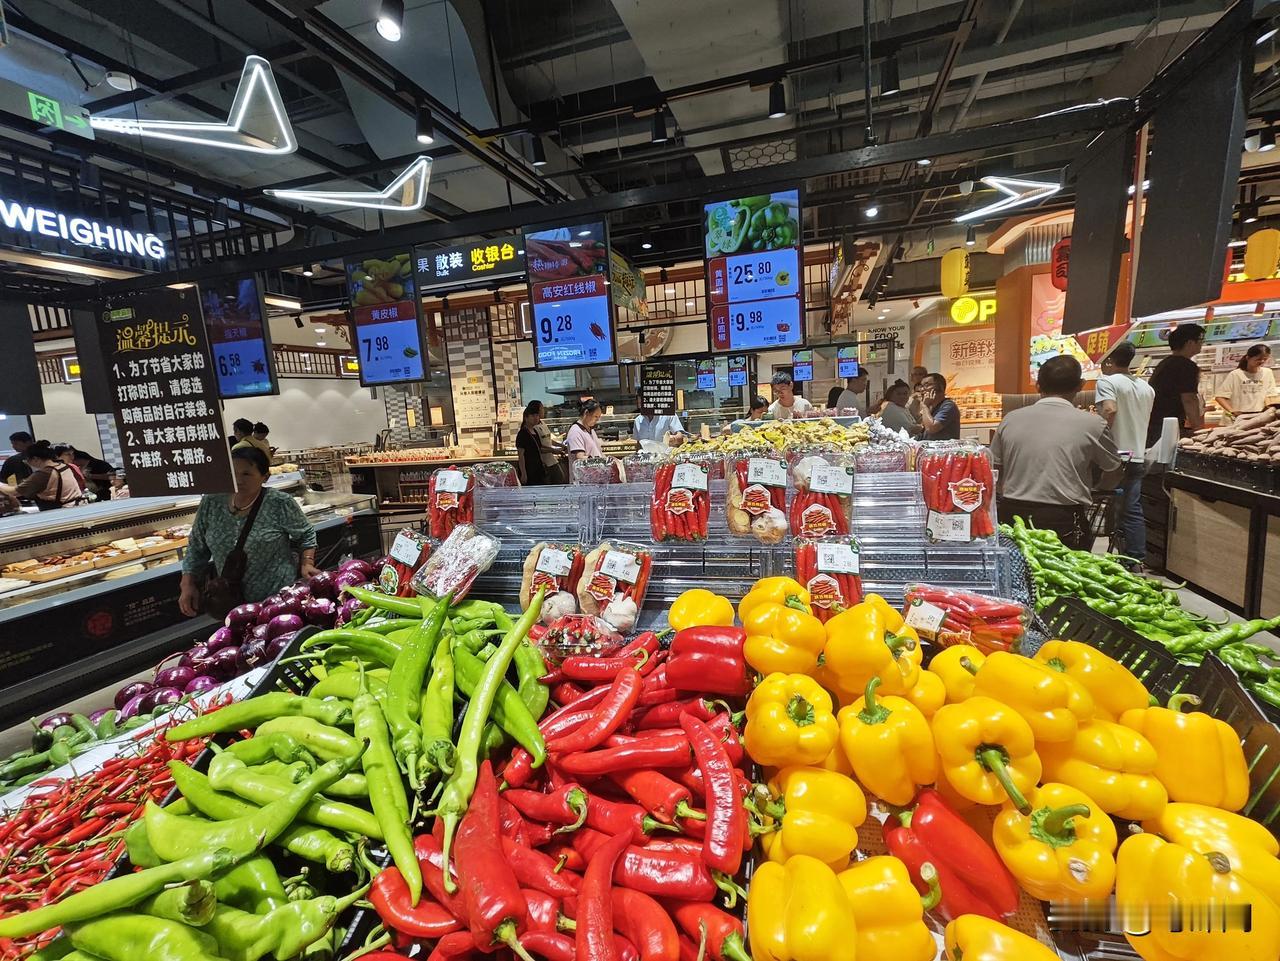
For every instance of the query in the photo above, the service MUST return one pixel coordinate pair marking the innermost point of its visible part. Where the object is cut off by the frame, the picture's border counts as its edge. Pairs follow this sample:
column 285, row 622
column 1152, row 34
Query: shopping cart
column 1104, row 520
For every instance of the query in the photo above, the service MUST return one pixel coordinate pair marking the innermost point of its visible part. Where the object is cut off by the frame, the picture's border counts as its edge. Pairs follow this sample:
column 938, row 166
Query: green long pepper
column 131, row 937
column 386, row 791
column 250, row 785
column 436, row 714
column 404, row 689
column 191, row 903
column 247, row 715
column 252, row 885
column 322, row 740
column 366, row 645
column 283, row 932
column 401, row 606
column 510, row 711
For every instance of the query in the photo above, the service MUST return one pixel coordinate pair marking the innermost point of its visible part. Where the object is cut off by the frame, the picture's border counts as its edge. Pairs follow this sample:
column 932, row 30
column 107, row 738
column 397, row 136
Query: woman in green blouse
column 279, row 531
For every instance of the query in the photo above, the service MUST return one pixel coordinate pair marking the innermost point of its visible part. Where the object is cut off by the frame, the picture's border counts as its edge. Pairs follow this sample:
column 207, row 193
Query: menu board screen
column 388, row 323
column 754, row 272
column 738, row 370
column 238, row 337
column 847, row 361
column 801, row 365
column 569, row 293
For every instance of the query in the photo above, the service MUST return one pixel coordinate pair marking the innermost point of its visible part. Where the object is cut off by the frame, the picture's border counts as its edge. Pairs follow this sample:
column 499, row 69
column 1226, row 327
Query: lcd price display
column 568, row 271
column 738, row 370
column 801, row 365
column 847, row 361
column 238, row 337
column 388, row 323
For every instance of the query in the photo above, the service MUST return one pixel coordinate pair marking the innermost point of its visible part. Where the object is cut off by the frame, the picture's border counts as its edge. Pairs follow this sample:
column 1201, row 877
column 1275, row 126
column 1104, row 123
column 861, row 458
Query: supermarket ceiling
column 585, row 85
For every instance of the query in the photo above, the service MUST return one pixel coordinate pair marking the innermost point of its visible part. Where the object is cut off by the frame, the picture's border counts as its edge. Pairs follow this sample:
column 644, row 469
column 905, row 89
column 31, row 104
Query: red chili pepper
column 565, row 693
column 566, row 856
column 534, row 869
column 646, row 924
column 650, row 753
column 601, row 669
column 610, row 715
column 593, row 939
column 691, row 951
column 668, row 715
column 512, row 824
column 726, row 817
column 658, row 868
column 724, row 932
column 519, row 770
column 384, row 956
column 615, row 817
column 722, row 726
column 656, row 792
column 544, row 910
column 460, row 944
column 709, row 660
column 495, row 907
column 566, row 807
column 390, row 898
column 648, row 641
column 549, row 945
column 430, row 855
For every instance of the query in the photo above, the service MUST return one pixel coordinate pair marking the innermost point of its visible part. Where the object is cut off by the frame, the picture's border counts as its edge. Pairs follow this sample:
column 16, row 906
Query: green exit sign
column 47, row 111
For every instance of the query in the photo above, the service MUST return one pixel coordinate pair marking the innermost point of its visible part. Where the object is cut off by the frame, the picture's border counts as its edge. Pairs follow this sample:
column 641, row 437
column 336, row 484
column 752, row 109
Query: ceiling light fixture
column 537, row 153
column 256, row 123
column 322, row 343
column 1250, row 214
column 391, row 20
column 646, row 240
column 119, row 80
column 282, row 301
column 777, row 101
column 970, row 236
column 659, row 134
column 872, row 210
column 424, row 127
column 319, row 331
column 1267, row 139
column 1267, row 34
column 407, row 192
column 66, row 265
column 585, row 232
column 923, row 162
column 308, row 270
column 1238, row 242
column 890, row 82
column 1017, row 193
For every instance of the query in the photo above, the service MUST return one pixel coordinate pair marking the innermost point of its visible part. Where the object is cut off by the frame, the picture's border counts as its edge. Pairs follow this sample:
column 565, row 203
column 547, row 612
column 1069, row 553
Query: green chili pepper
column 252, row 885
column 1243, row 659
column 475, row 608
column 346, row 685
column 339, row 816
column 322, row 740
column 131, row 937
column 531, row 667
column 283, row 932
column 1268, row 692
column 366, row 645
column 247, row 715
column 386, row 791
column 190, row 903
column 271, row 746
column 404, row 689
column 436, row 714
column 509, row 710
column 402, row 606
column 474, row 640
column 465, row 625
column 391, row 626
column 492, row 741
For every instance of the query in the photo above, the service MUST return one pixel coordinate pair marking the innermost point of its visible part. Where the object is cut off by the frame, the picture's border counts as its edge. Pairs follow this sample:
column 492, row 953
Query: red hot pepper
column 427, row 848
column 566, row 806
column 601, row 669
column 710, row 660
column 512, row 823
column 390, row 898
column 536, row 870
column 549, row 945
column 609, row 715
column 726, row 817
column 656, row 792
column 566, row 857
column 661, row 870
column 614, row 817
column 726, row 940
column 646, row 924
column 544, row 910
column 593, row 939
column 668, row 715
column 648, row 753
column 460, row 944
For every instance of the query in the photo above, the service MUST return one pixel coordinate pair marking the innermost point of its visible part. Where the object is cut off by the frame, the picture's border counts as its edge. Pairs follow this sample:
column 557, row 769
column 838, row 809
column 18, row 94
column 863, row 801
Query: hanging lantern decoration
column 1262, row 254
column 955, row 273
column 1060, row 263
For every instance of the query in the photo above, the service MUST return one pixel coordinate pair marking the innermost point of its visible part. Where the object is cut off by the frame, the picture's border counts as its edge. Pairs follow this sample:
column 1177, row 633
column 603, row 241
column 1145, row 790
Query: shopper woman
column 277, row 530
column 256, row 440
column 51, row 483
column 581, row 438
column 894, row 413
column 529, row 451
column 1247, row 389
column 67, row 454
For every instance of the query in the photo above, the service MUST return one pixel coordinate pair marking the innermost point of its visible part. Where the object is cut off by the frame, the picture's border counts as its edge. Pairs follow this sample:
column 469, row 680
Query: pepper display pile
column 679, row 509
column 958, row 481
column 987, row 623
column 450, row 500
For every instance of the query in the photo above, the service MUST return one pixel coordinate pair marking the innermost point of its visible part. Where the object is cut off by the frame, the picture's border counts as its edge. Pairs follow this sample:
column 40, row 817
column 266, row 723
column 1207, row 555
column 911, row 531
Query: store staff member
column 532, row 471
column 50, row 483
column 97, row 473
column 1176, row 381
column 787, row 403
column 939, row 414
column 15, row 466
column 581, row 438
column 1248, row 388
column 655, row 427
column 1046, row 454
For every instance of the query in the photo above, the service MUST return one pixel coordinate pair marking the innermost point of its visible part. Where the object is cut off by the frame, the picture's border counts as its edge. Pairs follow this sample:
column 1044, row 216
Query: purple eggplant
column 241, row 618
column 55, row 721
column 200, row 683
column 345, row 579
column 347, row 610
column 99, row 714
column 225, row 664
column 319, row 611
column 132, row 706
column 135, row 689
column 178, row 676
column 284, row 624
column 160, row 697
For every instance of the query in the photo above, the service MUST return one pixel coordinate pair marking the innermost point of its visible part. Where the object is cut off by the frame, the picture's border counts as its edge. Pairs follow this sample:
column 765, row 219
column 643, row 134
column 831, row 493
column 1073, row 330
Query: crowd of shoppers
column 50, row 476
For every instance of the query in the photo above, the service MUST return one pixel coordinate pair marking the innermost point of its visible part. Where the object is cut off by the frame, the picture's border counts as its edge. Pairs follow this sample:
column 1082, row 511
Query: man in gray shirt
column 1046, row 454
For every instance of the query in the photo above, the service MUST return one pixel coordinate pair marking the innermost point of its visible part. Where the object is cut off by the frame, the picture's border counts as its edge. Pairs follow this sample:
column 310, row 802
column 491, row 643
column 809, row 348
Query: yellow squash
column 1198, row 757
column 799, row 912
column 1111, row 763
column 889, row 744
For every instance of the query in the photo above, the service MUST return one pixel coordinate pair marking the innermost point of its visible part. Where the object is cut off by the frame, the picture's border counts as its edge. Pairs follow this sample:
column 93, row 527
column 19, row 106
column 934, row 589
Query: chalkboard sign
column 658, row 388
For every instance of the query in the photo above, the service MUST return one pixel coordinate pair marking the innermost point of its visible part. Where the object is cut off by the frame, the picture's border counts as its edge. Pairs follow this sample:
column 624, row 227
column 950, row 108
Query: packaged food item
column 829, row 569
column 596, row 470
column 557, row 567
column 880, row 458
column 641, row 466
column 578, row 635
column 465, row 554
column 756, row 500
column 450, row 500
column 822, row 504
column 959, row 492
column 950, row 617
column 613, row 582
column 495, row 474
column 409, row 551
column 680, row 504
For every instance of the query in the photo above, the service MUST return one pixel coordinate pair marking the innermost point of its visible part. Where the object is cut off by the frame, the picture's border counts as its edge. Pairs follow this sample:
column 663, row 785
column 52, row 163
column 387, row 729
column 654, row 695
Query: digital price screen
column 568, row 271
column 755, row 281
column 387, row 319
column 706, row 373
column 847, row 361
column 238, row 337
column 738, row 370
column 801, row 365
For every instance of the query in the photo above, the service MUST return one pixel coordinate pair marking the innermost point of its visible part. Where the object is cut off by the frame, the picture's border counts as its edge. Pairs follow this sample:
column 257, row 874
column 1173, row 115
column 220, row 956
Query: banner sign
column 569, row 296
column 658, row 388
column 477, row 262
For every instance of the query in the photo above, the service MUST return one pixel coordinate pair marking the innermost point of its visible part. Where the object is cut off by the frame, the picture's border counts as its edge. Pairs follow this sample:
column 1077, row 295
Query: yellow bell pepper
column 1112, row 764
column 929, row 694
column 1064, row 850
column 700, row 608
column 1050, row 701
column 957, row 679
column 987, row 752
column 893, row 619
column 799, row 912
column 1198, row 757
column 860, row 647
column 783, row 638
column 775, row 590
column 972, row 937
column 1112, row 685
column 1154, row 878
column 888, row 911
column 789, row 721
column 1250, row 847
column 837, row 760
column 889, row 744
column 813, row 812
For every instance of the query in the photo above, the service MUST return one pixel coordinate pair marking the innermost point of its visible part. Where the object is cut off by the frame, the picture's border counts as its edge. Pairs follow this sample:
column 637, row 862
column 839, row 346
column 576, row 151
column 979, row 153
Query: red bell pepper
column 709, row 660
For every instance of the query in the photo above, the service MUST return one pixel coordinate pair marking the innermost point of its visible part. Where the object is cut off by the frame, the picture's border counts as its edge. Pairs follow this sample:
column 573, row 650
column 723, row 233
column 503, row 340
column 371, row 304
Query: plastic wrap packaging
column 756, row 495
column 578, row 635
column 680, row 504
column 829, row 569
column 822, row 504
column 880, row 458
column 465, row 555
column 450, row 500
column 613, row 582
column 409, row 551
column 495, row 474
column 596, row 470
column 558, row 568
column 641, row 466
column 949, row 617
column 959, row 492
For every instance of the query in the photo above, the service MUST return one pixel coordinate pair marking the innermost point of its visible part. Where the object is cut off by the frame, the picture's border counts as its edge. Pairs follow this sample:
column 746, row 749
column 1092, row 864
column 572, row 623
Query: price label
column 738, row 371
column 837, row 559
column 770, row 473
column 847, row 362
column 390, row 352
column 453, row 481
column 948, row 527
column 554, row 561
column 756, row 276
column 689, row 476
column 573, row 333
column 830, row 479
column 242, row 368
column 621, row 566
column 925, row 618
column 406, row 549
column 757, row 324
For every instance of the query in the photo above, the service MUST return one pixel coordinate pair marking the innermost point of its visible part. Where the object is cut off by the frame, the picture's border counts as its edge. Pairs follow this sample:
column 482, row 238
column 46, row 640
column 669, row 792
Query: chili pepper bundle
column 409, row 551
column 958, row 482
column 828, row 570
column 465, row 554
column 823, row 499
column 450, row 500
column 680, row 506
column 952, row 617
column 756, row 502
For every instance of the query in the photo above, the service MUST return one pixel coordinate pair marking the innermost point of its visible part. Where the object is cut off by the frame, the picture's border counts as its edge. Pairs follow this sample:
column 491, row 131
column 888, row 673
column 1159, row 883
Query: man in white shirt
column 854, row 395
column 1125, row 402
column 787, row 403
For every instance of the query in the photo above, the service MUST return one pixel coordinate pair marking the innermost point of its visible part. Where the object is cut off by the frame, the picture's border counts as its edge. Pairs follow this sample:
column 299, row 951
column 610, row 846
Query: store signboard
column 1097, row 343
column 238, row 337
column 968, row 362
column 628, row 286
column 847, row 361
column 21, row 101
column 478, row 262
column 25, row 219
column 164, row 394
column 569, row 296
column 755, row 278
column 970, row 310
column 387, row 318
column 348, row 365
column 878, row 353
column 801, row 365
column 1048, row 305
column 738, row 370
column 658, row 388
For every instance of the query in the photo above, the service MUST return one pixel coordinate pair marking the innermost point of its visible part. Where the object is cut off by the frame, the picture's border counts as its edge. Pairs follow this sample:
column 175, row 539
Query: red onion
column 278, row 644
column 344, row 579
column 319, row 611
column 321, row 584
column 300, row 591
column 174, row 676
column 252, row 653
column 132, row 706
column 284, row 624
column 240, row 618
column 347, row 610
column 364, row 568
column 54, row 721
column 161, row 696
column 225, row 664
column 220, row 638
column 135, row 689
column 259, row 632
column 200, row 683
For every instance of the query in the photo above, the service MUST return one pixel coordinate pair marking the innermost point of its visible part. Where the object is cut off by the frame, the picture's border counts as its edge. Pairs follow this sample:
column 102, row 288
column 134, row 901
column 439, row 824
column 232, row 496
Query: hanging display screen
column 738, row 370
column 238, row 337
column 706, row 374
column 801, row 365
column 387, row 319
column 568, row 271
column 755, row 283
column 847, row 361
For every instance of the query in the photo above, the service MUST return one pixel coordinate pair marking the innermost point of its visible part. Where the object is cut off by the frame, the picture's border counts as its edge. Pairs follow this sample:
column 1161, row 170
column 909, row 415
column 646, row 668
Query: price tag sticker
column 621, row 566
column 949, row 527
column 770, row 473
column 829, row 479
column 554, row 561
column 451, row 480
column 406, row 549
column 837, row 559
column 689, row 476
column 925, row 618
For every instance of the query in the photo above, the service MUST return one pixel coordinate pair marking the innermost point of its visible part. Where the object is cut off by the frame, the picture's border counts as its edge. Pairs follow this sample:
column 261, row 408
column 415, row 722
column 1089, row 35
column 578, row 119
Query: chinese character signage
column 163, row 394
column 968, row 362
column 658, row 388
column 1098, row 343
column 484, row 260
column 387, row 319
column 755, row 280
column 569, row 296
column 238, row 337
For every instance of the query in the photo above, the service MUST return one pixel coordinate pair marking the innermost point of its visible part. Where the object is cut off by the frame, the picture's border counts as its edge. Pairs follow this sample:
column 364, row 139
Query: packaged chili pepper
column 450, row 500
column 465, row 555
column 613, row 582
column 829, row 569
column 596, row 470
column 680, row 505
column 956, row 617
column 554, row 566
column 495, row 474
column 959, row 492
column 823, row 500
column 642, row 466
column 409, row 551
column 757, row 495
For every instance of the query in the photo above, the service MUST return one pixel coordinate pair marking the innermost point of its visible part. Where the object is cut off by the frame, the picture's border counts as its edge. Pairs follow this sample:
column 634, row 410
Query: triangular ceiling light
column 256, row 123
column 1017, row 193
column 407, row 192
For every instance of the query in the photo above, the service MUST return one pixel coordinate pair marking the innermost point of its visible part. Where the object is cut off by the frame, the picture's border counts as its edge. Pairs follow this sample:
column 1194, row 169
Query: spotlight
column 1267, row 139
column 538, row 155
column 872, row 210
column 970, row 237
column 119, row 80
column 890, row 83
column 966, row 187
column 444, row 303
column 497, row 297
column 923, row 162
column 425, row 130
column 659, row 134
column 585, row 233
column 887, row 273
column 777, row 101
column 390, row 19
column 871, row 300
column 646, row 240
column 308, row 270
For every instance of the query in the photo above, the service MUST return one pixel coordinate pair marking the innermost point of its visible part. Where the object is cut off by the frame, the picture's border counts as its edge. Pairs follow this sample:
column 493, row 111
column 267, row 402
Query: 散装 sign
column 480, row 261
column 25, row 218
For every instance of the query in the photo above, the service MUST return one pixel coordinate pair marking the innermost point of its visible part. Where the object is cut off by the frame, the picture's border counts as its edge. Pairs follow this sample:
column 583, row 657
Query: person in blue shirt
column 940, row 416
column 656, row 427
